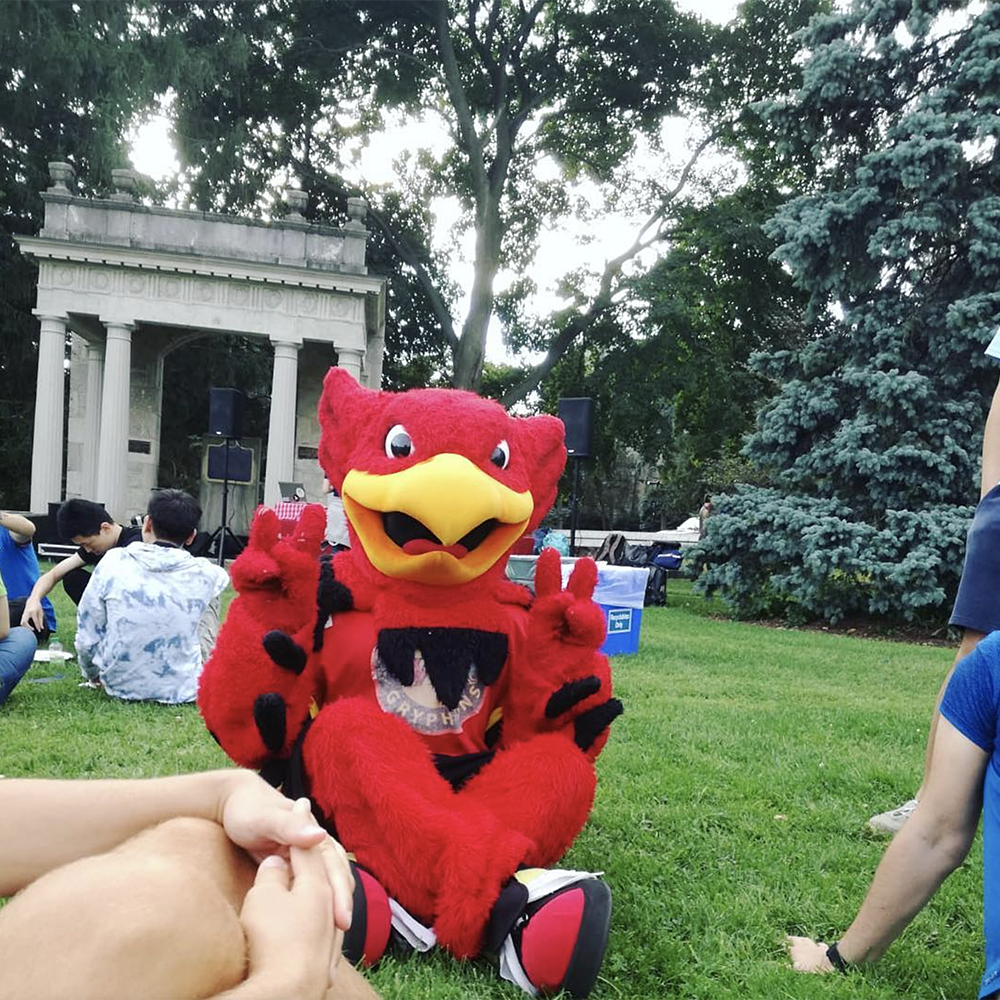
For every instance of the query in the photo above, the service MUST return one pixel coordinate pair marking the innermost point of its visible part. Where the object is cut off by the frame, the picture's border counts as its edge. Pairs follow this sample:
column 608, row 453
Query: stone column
column 112, row 463
column 92, row 420
column 47, row 443
column 350, row 360
column 281, row 426
column 373, row 358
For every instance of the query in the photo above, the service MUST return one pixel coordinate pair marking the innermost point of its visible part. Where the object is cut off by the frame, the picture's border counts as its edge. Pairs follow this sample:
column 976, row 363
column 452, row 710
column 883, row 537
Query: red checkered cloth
column 289, row 512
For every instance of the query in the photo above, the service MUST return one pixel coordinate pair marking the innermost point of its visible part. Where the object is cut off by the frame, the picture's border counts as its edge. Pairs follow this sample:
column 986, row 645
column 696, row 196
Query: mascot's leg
column 373, row 776
column 543, row 788
column 550, row 929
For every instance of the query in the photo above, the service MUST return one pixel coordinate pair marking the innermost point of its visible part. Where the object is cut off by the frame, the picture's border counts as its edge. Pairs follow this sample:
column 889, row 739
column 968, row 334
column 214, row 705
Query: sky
column 575, row 244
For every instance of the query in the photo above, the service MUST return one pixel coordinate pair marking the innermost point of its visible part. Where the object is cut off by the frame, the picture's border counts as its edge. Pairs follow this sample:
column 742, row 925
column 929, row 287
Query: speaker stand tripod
column 573, row 513
column 223, row 531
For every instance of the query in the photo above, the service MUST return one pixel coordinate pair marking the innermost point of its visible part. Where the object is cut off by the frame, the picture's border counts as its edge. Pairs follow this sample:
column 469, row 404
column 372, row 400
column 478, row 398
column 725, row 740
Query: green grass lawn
column 731, row 805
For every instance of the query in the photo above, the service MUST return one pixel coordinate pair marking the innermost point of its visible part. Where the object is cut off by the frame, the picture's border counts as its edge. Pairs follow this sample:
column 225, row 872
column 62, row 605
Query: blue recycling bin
column 620, row 592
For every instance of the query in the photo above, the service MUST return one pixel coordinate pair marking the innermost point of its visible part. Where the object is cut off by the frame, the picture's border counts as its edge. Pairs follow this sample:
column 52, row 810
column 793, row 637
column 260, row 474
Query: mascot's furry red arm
column 443, row 723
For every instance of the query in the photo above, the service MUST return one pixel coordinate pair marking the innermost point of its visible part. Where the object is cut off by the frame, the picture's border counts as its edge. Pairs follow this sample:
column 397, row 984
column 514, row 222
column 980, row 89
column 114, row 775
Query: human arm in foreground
column 49, row 823
column 929, row 847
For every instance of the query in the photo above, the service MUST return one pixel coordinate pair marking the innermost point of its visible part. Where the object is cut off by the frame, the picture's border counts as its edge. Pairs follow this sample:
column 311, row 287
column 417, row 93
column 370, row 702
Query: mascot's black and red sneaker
column 558, row 939
column 371, row 922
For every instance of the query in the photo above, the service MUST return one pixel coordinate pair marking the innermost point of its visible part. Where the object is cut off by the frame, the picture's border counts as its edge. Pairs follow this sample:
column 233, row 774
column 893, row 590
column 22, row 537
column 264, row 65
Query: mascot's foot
column 371, row 925
column 558, row 940
column 380, row 922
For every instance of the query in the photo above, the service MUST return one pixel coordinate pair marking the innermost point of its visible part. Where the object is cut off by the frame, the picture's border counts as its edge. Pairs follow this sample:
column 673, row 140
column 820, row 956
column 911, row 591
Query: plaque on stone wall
column 306, row 451
column 138, row 447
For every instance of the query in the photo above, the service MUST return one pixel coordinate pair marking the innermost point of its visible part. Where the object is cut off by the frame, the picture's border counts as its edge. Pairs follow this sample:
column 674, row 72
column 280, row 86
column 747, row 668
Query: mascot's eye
column 501, row 455
column 398, row 444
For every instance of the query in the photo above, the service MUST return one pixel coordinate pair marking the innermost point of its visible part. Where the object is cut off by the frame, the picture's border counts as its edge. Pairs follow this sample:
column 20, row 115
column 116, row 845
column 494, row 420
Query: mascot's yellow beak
column 443, row 521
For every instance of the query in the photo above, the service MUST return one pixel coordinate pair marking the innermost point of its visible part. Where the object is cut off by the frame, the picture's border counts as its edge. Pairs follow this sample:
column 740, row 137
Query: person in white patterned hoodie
column 147, row 621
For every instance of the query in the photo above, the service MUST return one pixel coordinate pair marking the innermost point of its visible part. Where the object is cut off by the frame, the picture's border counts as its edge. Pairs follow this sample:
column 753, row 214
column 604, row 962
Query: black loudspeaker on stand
column 577, row 414
column 225, row 420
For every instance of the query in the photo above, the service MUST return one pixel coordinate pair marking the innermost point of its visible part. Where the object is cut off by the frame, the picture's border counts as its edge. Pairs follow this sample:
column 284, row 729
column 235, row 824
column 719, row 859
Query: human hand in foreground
column 293, row 945
column 264, row 823
column 807, row 955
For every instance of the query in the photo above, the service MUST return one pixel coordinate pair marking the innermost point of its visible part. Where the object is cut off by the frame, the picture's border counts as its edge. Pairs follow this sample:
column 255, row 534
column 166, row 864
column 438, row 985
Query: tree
column 670, row 374
column 278, row 87
column 74, row 76
column 874, row 437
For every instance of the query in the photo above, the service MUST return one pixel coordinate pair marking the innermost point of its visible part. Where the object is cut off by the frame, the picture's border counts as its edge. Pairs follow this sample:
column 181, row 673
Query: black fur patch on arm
column 285, row 651
column 269, row 714
column 331, row 597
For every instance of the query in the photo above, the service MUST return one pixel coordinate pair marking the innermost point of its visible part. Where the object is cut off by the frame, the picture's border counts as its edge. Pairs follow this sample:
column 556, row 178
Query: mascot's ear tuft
column 344, row 411
column 544, row 439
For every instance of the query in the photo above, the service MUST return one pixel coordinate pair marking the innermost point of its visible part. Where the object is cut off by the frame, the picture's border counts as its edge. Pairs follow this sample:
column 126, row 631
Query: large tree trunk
column 470, row 353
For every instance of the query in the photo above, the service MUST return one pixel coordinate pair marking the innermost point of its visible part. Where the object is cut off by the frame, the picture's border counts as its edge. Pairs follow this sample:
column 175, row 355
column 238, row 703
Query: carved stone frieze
column 200, row 290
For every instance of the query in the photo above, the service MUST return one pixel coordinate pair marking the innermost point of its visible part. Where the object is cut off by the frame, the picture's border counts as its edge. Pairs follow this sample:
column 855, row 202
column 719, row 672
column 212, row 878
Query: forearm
column 48, row 823
column 20, row 527
column 45, row 583
column 914, row 866
column 991, row 447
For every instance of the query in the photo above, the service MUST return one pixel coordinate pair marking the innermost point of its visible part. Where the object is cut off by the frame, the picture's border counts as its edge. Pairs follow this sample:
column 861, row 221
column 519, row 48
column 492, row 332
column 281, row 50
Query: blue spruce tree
column 875, row 435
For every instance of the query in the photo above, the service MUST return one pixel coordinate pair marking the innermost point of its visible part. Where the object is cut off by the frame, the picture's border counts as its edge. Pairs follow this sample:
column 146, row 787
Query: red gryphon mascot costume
column 442, row 722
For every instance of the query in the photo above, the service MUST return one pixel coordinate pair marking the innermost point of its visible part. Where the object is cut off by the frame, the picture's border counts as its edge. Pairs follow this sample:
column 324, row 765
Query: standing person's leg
column 158, row 916
column 16, row 651
column 976, row 612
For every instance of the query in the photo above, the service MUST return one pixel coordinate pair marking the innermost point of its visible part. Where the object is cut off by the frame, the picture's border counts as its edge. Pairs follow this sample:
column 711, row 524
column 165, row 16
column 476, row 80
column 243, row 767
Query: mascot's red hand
column 278, row 574
column 567, row 685
column 255, row 690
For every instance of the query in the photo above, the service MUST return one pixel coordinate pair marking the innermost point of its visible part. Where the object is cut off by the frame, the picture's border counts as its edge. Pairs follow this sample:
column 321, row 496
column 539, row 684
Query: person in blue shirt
column 977, row 604
column 19, row 570
column 963, row 783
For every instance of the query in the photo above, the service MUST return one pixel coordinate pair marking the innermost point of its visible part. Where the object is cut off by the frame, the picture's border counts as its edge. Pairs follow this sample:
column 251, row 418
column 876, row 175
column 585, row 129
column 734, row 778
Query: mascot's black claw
column 269, row 714
column 285, row 651
column 570, row 694
column 592, row 723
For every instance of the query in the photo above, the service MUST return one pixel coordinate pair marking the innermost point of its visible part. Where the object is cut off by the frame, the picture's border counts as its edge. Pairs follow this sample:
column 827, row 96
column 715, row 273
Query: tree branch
column 604, row 298
column 403, row 250
column 408, row 254
column 466, row 124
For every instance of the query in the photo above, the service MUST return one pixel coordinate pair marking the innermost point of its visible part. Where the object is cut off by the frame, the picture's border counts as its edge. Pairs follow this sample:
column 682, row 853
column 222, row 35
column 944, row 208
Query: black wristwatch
column 836, row 959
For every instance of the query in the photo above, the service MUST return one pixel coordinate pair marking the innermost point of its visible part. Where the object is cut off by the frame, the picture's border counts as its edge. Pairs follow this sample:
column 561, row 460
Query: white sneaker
column 893, row 820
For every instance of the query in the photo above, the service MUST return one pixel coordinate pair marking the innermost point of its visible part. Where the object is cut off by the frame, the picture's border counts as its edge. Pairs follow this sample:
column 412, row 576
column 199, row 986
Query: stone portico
column 132, row 283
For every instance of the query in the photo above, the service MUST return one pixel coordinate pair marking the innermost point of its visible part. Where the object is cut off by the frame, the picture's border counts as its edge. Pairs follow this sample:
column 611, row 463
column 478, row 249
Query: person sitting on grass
column 17, row 649
column 19, row 569
column 90, row 526
column 963, row 781
column 199, row 885
column 148, row 618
